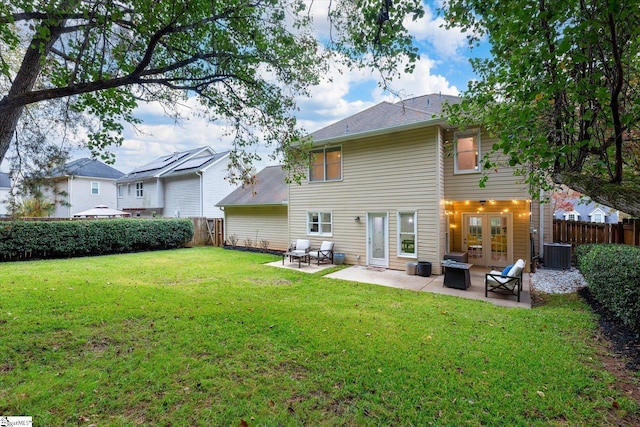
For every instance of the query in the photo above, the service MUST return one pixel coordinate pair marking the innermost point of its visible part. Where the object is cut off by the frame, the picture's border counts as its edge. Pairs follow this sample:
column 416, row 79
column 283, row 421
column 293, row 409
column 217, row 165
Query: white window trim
column 464, row 134
column 324, row 151
column 415, row 235
column 97, row 187
column 139, row 191
column 120, row 191
column 567, row 216
column 319, row 233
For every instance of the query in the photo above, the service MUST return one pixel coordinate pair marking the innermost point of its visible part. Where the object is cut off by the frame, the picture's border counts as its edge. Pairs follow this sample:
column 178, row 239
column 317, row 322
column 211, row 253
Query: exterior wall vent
column 557, row 256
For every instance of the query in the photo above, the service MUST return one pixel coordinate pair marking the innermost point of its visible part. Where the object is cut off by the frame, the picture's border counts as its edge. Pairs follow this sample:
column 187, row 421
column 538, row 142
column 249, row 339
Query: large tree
column 245, row 61
column 560, row 91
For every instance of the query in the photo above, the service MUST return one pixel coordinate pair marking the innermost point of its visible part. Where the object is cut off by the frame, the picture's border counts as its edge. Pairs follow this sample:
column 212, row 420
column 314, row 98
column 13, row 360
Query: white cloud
column 447, row 44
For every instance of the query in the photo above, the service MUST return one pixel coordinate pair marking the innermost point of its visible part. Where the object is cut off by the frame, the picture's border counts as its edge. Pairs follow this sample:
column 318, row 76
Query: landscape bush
column 613, row 275
column 63, row 239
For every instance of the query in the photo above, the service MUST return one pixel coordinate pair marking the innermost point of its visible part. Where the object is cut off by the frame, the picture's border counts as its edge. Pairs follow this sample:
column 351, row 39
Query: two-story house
column 80, row 185
column 397, row 183
column 183, row 184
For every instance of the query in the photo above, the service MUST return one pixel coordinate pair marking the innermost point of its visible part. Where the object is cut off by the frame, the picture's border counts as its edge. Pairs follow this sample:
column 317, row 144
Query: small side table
column 456, row 274
column 296, row 256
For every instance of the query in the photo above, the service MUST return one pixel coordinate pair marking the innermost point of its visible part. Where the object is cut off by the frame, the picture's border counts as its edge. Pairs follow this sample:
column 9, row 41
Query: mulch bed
column 624, row 341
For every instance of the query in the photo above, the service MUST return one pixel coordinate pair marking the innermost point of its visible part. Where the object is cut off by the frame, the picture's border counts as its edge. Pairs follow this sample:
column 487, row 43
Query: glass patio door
column 487, row 238
column 377, row 237
column 473, row 237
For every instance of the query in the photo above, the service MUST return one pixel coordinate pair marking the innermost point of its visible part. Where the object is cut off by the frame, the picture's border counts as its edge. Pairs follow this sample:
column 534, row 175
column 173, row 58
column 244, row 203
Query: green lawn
column 207, row 336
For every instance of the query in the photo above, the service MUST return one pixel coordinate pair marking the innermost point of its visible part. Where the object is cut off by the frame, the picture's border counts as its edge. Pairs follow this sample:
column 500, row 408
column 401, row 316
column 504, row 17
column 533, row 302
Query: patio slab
column 402, row 280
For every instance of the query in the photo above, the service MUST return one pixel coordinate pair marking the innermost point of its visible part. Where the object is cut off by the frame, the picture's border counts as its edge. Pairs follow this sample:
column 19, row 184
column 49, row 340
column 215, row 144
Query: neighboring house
column 396, row 183
column 86, row 183
column 5, row 188
column 587, row 211
column 184, row 184
column 258, row 212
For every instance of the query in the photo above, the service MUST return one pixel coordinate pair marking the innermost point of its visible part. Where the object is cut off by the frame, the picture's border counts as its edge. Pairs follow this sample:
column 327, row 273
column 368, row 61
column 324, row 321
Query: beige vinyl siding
column 501, row 185
column 257, row 223
column 396, row 172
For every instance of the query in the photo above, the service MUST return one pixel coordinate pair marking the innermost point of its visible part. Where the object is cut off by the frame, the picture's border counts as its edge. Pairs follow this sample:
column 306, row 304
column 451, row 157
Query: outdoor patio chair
column 508, row 280
column 299, row 248
column 324, row 254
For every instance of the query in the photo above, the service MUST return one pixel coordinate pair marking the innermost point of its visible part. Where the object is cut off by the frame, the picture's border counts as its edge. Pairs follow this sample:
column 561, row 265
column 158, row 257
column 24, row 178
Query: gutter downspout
column 199, row 173
column 70, row 186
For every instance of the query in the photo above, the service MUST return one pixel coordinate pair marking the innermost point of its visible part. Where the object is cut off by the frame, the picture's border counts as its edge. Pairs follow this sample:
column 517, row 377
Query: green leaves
column 560, row 88
column 246, row 62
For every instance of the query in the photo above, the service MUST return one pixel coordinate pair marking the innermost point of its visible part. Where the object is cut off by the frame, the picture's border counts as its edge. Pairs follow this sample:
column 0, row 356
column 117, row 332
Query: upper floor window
column 326, row 164
column 407, row 234
column 572, row 216
column 95, row 188
column 467, row 151
column 120, row 191
column 139, row 189
column 319, row 223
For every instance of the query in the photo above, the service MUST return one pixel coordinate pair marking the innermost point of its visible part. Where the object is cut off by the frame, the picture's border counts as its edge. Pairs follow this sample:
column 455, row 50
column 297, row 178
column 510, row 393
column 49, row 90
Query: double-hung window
column 319, row 223
column 467, row 152
column 139, row 189
column 95, row 188
column 120, row 191
column 407, row 234
column 326, row 164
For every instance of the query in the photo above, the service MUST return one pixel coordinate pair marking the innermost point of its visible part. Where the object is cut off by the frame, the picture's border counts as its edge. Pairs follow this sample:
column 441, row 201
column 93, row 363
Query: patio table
column 296, row 255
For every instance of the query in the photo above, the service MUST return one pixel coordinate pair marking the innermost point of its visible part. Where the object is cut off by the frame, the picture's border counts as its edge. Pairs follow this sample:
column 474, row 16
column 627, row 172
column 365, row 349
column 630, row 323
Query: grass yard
column 207, row 336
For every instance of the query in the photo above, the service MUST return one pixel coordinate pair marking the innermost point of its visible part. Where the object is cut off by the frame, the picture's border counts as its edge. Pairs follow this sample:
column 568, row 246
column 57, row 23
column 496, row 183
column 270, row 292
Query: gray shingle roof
column 270, row 189
column 387, row 116
column 89, row 168
column 5, row 182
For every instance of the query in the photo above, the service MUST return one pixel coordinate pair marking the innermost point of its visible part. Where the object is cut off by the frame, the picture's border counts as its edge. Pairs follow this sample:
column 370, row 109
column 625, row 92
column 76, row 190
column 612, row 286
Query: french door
column 488, row 238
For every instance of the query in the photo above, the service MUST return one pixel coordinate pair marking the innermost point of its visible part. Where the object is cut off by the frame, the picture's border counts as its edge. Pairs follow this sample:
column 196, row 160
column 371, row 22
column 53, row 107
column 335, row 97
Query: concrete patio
column 402, row 280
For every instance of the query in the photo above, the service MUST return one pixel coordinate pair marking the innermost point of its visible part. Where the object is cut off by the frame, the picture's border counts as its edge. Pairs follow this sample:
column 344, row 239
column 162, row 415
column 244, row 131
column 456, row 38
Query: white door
column 377, row 238
column 488, row 238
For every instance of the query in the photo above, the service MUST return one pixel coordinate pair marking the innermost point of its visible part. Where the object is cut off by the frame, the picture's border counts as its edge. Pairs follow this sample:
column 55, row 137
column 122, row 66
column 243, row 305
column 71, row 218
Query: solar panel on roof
column 194, row 163
column 161, row 162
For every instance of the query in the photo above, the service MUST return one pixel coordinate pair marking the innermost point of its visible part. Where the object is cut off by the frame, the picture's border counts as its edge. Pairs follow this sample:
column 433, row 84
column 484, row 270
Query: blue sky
column 444, row 68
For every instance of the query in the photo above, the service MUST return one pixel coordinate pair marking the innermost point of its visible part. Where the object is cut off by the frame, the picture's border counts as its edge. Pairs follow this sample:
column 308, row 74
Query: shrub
column 613, row 275
column 61, row 239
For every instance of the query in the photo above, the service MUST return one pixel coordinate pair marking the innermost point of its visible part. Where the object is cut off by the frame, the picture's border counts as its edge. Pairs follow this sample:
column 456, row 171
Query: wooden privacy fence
column 207, row 231
column 581, row 233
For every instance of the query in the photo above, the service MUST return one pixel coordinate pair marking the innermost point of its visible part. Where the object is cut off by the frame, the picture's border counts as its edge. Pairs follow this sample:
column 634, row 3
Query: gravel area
column 557, row 281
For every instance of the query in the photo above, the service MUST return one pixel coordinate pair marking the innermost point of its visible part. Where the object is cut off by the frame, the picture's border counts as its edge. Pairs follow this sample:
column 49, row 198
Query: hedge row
column 63, row 239
column 613, row 275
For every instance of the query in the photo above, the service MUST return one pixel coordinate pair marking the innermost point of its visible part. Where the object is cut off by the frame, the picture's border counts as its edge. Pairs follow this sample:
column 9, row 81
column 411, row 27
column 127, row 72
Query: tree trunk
column 23, row 83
